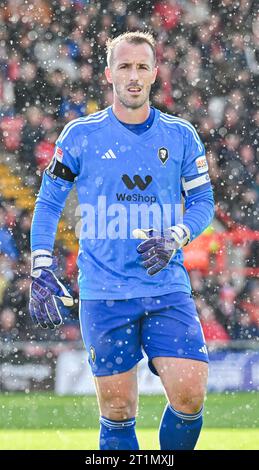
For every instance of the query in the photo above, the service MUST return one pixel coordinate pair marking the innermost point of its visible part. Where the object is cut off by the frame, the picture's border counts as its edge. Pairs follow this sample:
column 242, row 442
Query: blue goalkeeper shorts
column 116, row 332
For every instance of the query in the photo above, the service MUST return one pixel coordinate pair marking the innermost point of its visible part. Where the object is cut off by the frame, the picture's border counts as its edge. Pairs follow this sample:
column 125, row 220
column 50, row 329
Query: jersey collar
column 141, row 137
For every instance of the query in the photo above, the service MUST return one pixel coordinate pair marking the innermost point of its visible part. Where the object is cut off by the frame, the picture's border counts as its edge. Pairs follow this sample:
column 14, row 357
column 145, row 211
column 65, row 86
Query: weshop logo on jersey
column 118, row 221
column 136, row 182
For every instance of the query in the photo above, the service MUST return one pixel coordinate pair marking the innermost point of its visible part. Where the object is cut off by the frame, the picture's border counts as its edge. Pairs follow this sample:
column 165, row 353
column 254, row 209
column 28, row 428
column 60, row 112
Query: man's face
column 132, row 72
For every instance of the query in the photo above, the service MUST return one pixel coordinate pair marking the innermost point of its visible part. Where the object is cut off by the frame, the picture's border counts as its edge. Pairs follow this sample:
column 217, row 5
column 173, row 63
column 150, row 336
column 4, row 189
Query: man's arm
column 56, row 184
column 158, row 249
column 199, row 212
column 196, row 186
column 48, row 209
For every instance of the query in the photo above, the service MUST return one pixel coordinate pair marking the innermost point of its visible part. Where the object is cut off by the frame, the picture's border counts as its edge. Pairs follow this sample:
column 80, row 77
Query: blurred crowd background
column 52, row 60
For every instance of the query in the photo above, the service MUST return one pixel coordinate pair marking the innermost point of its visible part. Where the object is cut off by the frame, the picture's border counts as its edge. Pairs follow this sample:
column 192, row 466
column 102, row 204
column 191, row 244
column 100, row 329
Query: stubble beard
column 133, row 103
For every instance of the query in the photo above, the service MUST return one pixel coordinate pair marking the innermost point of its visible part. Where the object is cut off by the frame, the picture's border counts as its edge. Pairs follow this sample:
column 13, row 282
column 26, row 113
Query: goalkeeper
column 131, row 165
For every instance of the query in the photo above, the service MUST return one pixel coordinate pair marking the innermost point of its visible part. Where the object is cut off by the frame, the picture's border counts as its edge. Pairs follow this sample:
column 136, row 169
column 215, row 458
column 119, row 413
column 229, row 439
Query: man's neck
column 130, row 115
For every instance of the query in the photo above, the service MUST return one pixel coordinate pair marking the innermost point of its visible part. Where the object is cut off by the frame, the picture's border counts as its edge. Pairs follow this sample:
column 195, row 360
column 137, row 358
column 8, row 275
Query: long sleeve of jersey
column 199, row 212
column 196, row 186
column 48, row 209
column 55, row 187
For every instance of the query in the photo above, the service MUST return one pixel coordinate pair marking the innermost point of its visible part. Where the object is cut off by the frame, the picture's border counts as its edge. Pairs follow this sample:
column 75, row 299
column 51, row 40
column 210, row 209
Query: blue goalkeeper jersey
column 125, row 181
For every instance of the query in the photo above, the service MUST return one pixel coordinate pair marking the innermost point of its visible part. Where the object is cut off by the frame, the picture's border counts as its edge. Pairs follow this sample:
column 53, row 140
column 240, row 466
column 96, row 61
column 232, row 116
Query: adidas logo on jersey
column 108, row 155
column 203, row 349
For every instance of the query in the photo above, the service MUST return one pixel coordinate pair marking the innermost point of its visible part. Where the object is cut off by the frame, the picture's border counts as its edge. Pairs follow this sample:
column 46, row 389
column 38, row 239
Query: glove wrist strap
column 181, row 234
column 41, row 259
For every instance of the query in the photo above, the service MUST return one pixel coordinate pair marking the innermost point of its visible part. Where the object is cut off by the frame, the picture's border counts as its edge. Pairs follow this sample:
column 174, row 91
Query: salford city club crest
column 163, row 154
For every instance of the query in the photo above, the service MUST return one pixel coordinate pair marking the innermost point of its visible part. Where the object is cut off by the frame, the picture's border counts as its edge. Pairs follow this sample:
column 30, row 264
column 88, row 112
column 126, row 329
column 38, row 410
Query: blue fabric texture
column 126, row 180
column 115, row 332
column 179, row 431
column 143, row 126
column 118, row 435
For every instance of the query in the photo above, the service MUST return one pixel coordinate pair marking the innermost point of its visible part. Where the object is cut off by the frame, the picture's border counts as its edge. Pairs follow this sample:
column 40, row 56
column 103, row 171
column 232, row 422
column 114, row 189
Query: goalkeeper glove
column 158, row 249
column 45, row 287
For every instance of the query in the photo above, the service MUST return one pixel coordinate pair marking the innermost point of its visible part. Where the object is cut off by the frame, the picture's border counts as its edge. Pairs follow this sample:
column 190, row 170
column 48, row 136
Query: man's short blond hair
column 136, row 37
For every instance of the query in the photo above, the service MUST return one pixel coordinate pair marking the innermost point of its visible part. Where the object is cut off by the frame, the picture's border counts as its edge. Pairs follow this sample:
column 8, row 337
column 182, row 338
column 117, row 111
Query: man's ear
column 108, row 74
column 154, row 75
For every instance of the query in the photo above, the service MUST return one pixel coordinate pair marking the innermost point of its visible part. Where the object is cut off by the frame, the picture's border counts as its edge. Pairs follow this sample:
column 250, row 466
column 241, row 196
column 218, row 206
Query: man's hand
column 158, row 249
column 45, row 287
